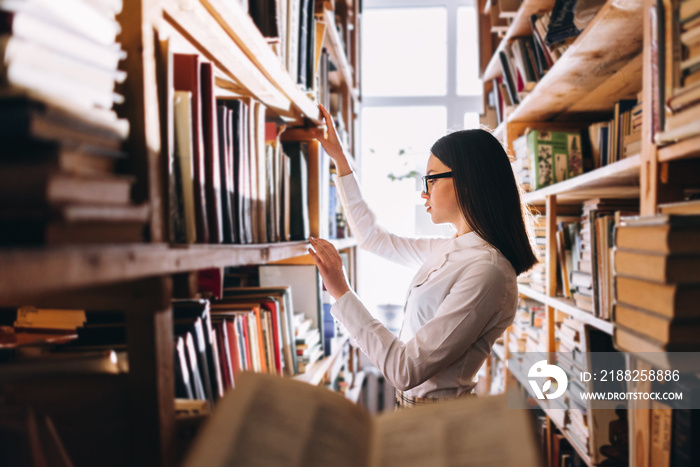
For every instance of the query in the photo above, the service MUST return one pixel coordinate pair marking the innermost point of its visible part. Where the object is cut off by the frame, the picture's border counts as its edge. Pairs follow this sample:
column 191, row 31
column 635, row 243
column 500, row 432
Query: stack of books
column 618, row 138
column 308, row 342
column 61, row 139
column 593, row 278
column 679, row 77
column 657, row 264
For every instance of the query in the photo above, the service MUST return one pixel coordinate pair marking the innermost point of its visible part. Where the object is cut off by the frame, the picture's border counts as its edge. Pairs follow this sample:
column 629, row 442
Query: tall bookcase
column 610, row 60
column 141, row 279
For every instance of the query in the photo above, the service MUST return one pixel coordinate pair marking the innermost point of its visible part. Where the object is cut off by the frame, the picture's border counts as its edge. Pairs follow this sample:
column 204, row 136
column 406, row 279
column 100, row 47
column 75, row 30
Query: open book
column 271, row 421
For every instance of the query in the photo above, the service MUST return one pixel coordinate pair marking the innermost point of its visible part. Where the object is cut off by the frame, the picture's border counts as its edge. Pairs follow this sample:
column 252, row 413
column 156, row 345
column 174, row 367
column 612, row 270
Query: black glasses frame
column 433, row 177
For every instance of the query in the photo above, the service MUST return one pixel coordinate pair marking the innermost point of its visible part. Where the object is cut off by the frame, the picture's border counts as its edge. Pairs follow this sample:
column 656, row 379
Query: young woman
column 464, row 294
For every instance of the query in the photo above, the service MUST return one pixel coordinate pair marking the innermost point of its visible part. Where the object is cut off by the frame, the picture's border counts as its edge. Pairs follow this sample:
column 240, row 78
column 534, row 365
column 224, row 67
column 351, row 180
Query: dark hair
column 487, row 193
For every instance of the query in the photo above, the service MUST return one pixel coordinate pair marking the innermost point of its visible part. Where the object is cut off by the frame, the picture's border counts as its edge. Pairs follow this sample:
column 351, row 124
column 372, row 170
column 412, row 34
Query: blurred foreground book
column 272, row 421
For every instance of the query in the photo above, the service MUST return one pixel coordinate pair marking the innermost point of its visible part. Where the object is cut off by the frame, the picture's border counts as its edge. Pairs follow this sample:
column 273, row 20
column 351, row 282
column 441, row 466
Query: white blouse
column 461, row 300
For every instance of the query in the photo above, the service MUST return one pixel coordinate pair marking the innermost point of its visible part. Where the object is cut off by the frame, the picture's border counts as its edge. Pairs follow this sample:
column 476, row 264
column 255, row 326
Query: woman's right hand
column 331, row 144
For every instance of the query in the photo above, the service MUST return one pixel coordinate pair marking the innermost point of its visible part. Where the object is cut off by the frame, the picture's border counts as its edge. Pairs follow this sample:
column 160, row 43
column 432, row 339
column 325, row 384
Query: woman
column 465, row 293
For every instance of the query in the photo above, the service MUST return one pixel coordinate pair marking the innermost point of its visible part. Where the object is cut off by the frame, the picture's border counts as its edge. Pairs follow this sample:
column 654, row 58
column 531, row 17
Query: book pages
column 460, row 433
column 272, row 421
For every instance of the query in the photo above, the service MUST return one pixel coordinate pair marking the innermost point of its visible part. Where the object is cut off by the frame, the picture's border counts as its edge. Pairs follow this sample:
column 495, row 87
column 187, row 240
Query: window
column 419, row 80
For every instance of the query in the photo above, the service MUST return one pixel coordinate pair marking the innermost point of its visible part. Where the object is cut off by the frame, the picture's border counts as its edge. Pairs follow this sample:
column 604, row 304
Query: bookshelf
column 611, row 59
column 142, row 278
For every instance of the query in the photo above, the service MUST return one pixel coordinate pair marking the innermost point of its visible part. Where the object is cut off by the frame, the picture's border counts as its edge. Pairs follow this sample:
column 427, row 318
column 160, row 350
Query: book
column 666, row 233
column 659, row 328
column 24, row 120
column 345, row 434
column 184, row 165
column 187, row 77
column 298, row 194
column 671, row 300
column 97, row 24
column 43, row 186
column 42, row 74
column 554, row 156
column 658, row 267
column 212, row 165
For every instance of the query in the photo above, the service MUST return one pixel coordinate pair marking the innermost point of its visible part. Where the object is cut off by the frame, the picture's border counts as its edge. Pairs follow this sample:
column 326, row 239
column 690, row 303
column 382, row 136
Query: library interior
column 206, row 172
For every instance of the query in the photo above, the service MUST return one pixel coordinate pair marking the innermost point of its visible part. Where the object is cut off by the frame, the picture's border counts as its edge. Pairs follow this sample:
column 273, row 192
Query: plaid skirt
column 403, row 400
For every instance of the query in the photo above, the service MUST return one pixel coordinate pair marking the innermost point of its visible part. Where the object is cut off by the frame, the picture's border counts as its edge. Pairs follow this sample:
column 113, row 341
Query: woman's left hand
column 330, row 265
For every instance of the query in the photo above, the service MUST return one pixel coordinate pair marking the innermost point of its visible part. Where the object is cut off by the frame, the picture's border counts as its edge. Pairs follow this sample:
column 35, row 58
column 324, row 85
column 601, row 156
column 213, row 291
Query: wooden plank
column 689, row 148
column 141, row 107
column 610, row 41
column 520, row 27
column 240, row 27
column 336, row 49
column 551, row 267
column 620, row 179
column 215, row 44
column 28, row 273
column 508, row 8
column 624, row 84
column 151, row 379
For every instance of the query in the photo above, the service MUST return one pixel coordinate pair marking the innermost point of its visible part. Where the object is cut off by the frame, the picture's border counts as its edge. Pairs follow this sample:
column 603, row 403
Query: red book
column 187, row 77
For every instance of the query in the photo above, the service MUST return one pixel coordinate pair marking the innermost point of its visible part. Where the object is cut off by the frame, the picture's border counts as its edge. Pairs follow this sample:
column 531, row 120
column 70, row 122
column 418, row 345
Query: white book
column 183, row 151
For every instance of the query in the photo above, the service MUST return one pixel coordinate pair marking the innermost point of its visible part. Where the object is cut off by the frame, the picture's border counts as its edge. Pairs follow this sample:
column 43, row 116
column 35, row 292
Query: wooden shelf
column 603, row 65
column 28, row 272
column 519, row 27
column 609, row 43
column 315, row 372
column 533, row 294
column 688, row 148
column 567, row 306
column 619, row 179
column 226, row 35
column 335, row 48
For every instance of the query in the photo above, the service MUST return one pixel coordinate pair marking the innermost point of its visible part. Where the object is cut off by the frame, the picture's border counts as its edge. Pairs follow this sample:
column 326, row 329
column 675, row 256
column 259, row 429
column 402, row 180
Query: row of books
column 62, row 140
column 231, row 180
column 543, row 157
column 657, row 286
column 676, row 85
column 293, row 32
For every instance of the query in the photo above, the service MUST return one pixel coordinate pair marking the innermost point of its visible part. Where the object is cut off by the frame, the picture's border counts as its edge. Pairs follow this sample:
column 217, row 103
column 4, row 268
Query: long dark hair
column 487, row 192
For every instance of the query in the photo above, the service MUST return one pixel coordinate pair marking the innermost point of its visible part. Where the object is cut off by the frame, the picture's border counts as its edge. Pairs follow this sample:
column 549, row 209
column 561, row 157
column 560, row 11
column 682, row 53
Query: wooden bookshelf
column 619, row 180
column 567, row 306
column 141, row 279
column 543, row 404
column 608, row 44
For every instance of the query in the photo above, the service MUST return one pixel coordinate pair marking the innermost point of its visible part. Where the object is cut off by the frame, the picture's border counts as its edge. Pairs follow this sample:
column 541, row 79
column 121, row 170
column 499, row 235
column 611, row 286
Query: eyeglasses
column 433, row 177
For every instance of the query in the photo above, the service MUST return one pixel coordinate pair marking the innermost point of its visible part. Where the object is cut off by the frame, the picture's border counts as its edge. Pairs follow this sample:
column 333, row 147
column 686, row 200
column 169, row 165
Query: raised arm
column 363, row 222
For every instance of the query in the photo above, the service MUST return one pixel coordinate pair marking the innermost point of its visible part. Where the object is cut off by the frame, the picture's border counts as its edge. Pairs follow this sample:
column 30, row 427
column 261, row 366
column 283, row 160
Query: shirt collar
column 467, row 240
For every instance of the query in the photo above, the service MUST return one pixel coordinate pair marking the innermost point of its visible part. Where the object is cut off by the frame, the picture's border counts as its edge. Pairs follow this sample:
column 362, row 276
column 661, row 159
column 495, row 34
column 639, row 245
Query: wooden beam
column 151, row 379
column 141, row 107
